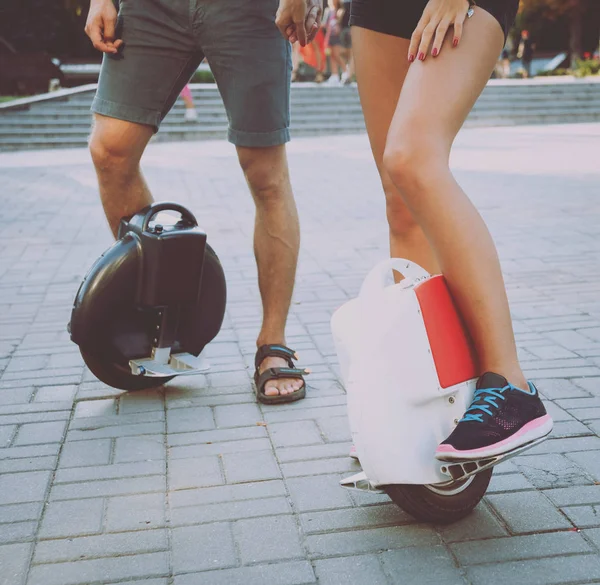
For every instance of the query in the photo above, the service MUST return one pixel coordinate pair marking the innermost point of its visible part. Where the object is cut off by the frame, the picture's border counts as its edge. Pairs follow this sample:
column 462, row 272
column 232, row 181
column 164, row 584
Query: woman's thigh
column 381, row 66
column 438, row 93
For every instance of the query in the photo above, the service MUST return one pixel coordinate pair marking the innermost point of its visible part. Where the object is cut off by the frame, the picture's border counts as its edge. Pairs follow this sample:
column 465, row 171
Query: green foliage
column 202, row 76
column 556, row 72
column 585, row 67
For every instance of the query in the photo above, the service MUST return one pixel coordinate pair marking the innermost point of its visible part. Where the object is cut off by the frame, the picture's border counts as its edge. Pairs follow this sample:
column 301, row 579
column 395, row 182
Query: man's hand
column 100, row 26
column 299, row 20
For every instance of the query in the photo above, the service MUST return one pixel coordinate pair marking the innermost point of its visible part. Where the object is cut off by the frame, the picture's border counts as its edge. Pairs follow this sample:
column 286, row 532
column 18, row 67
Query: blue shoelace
column 485, row 400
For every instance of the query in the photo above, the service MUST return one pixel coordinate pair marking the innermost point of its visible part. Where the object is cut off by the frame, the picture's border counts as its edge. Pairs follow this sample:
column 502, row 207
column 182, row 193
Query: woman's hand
column 438, row 17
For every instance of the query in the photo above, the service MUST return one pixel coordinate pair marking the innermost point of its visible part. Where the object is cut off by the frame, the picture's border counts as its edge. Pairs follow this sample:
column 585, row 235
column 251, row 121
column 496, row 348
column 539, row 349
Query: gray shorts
column 166, row 40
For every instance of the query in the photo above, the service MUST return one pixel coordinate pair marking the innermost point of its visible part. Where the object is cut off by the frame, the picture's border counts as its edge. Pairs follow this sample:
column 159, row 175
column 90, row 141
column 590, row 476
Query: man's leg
column 276, row 244
column 116, row 147
column 252, row 64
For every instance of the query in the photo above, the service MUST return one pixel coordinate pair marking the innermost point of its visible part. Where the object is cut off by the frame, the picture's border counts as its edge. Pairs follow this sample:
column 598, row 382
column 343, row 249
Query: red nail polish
column 435, row 52
column 411, row 58
column 421, row 56
column 455, row 43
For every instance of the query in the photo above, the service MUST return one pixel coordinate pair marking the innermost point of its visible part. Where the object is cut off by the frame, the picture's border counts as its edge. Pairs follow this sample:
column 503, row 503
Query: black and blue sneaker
column 501, row 418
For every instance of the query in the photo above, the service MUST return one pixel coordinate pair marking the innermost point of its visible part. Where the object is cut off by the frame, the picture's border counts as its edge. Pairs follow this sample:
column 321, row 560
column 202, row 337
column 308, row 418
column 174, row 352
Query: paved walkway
column 195, row 484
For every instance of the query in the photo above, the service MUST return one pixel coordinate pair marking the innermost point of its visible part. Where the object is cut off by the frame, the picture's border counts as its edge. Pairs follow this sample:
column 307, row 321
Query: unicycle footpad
column 154, row 289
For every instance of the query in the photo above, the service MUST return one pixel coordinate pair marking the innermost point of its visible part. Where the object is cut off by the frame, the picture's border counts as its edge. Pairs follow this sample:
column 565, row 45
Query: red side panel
column 453, row 353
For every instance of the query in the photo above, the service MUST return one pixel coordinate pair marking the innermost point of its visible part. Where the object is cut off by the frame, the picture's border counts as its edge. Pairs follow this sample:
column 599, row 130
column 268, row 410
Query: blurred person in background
column 346, row 40
column 525, row 52
column 190, row 109
column 333, row 41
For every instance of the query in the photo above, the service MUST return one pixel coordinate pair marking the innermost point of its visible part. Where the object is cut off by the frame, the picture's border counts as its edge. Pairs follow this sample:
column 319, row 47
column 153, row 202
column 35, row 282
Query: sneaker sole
column 535, row 429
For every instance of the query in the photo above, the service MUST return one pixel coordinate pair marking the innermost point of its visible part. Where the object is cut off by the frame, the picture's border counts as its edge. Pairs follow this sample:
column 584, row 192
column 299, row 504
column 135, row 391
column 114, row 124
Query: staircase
column 62, row 119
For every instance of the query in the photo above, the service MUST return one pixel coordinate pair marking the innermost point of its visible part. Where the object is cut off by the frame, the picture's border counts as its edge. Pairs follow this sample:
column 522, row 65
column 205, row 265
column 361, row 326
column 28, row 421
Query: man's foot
column 276, row 378
column 501, row 418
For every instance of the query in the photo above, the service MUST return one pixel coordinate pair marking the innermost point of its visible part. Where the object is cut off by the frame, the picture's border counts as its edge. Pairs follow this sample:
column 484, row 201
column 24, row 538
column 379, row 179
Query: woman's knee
column 412, row 158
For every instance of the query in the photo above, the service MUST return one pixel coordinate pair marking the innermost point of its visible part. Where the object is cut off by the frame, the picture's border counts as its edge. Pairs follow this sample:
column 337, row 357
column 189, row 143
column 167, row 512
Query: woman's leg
column 336, row 61
column 436, row 98
column 380, row 72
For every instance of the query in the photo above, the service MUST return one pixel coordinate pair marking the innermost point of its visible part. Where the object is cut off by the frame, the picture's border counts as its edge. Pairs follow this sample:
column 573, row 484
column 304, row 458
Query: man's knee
column 116, row 145
column 266, row 171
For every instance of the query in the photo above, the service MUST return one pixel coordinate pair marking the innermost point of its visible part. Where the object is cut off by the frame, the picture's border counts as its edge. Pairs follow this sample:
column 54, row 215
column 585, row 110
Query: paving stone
column 555, row 571
column 94, row 423
column 215, row 542
column 50, row 449
column 81, row 453
column 498, row 550
column 228, row 493
column 295, row 433
column 217, row 436
column 135, row 512
column 576, row 495
column 237, row 415
column 211, row 449
column 44, row 432
column 584, row 516
column 55, row 393
column 114, row 471
column 335, row 429
column 142, row 448
column 528, row 512
column 141, row 401
column 251, row 466
column 23, row 487
column 355, row 569
column 589, row 461
column 318, row 493
column 328, row 450
column 480, row 524
column 72, row 518
column 426, row 566
column 229, row 511
column 17, row 532
column 593, row 535
column 104, row 545
column 20, row 512
column 372, row 540
column 509, row 482
column 186, row 420
column 33, row 464
column 109, row 569
column 117, row 431
column 349, row 518
column 110, row 487
column 7, row 432
column 552, row 470
column 290, row 573
column 267, row 539
column 193, row 473
column 14, row 559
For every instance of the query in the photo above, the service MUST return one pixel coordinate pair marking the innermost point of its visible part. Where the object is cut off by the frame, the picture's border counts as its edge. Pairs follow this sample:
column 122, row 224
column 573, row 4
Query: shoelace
column 484, row 400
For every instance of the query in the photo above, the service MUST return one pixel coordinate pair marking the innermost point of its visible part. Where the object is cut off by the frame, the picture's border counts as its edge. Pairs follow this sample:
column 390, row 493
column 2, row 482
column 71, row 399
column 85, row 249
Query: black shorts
column 399, row 18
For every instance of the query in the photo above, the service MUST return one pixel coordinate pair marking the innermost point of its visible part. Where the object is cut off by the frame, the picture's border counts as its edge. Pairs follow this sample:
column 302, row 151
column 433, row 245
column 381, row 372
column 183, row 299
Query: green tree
column 572, row 10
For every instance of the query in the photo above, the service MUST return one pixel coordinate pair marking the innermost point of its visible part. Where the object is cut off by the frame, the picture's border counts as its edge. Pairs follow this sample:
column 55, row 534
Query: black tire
column 119, row 375
column 427, row 505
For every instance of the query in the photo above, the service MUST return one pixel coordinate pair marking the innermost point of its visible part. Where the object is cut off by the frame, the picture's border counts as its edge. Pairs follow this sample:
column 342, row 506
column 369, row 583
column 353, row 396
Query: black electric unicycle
column 151, row 303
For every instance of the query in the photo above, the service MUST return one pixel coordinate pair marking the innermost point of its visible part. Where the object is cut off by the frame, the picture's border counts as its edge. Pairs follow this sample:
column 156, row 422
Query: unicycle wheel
column 441, row 503
column 119, row 375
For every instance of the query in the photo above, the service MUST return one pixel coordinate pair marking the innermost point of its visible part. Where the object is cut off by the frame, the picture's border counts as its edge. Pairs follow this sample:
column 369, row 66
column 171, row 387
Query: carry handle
column 375, row 281
column 156, row 208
